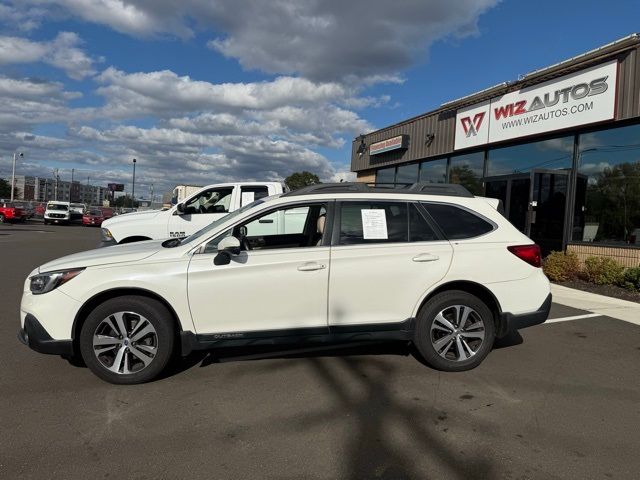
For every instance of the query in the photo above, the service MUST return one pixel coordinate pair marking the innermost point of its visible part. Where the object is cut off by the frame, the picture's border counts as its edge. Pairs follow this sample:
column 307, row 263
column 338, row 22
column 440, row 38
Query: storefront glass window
column 434, row 171
column 407, row 174
column 607, row 207
column 386, row 176
column 553, row 154
column 467, row 170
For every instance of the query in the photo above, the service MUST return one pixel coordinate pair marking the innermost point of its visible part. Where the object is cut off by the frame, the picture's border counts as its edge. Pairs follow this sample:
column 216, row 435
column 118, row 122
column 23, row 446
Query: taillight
column 529, row 253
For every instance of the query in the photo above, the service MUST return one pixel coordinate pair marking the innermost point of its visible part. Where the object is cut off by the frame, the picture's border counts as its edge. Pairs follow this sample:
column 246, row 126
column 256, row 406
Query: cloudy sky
column 203, row 91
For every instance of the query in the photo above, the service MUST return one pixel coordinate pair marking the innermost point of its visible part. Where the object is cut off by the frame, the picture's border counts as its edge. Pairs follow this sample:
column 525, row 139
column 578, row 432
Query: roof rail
column 448, row 189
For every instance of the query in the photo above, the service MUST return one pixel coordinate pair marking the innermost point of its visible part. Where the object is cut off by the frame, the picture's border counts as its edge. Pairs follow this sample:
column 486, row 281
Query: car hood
column 129, row 252
column 135, row 216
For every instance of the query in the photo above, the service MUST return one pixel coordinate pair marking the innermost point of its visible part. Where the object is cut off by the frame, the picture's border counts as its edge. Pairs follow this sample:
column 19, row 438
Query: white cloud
column 63, row 52
column 317, row 39
column 28, row 102
column 165, row 93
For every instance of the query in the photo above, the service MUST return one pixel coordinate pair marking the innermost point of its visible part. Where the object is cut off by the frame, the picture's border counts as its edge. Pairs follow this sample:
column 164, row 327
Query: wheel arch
column 476, row 289
column 134, row 238
column 105, row 295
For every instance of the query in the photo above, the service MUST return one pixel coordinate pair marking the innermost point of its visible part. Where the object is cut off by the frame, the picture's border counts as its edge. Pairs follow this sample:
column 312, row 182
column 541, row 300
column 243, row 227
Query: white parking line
column 575, row 317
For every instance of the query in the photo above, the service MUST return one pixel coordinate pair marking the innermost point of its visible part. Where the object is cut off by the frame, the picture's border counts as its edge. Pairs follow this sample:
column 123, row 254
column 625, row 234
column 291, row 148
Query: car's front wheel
column 455, row 331
column 127, row 340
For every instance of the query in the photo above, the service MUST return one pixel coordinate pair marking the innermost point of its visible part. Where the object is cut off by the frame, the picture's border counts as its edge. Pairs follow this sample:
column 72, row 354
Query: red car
column 11, row 213
column 93, row 217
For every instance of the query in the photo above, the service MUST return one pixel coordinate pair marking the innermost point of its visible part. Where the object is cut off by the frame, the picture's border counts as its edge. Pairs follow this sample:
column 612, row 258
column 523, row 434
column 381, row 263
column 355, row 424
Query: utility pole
column 13, row 173
column 133, row 186
column 57, row 178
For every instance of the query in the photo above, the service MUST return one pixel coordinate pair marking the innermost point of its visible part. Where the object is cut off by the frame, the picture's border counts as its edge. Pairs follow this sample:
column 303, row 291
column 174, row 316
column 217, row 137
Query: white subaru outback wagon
column 428, row 264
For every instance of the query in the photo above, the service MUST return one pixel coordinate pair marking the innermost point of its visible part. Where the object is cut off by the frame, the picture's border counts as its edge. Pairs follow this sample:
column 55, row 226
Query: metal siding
column 442, row 122
column 636, row 88
column 626, row 73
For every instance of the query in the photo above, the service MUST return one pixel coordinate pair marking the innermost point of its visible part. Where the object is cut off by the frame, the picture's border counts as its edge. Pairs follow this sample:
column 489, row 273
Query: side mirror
column 229, row 245
column 180, row 208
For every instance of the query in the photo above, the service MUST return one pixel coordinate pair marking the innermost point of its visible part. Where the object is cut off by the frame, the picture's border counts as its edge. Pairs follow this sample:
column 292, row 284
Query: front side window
column 457, row 223
column 286, row 227
column 213, row 200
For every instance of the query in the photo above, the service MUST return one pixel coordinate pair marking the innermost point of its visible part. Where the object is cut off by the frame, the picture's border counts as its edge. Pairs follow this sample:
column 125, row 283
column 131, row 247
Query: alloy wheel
column 457, row 333
column 125, row 342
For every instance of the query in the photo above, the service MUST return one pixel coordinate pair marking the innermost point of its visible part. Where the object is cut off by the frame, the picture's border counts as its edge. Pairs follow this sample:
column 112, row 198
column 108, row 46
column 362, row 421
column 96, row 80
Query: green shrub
column 560, row 266
column 631, row 278
column 603, row 271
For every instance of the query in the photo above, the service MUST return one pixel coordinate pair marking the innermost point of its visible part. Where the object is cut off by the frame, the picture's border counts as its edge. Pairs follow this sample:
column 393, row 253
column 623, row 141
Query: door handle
column 310, row 266
column 425, row 257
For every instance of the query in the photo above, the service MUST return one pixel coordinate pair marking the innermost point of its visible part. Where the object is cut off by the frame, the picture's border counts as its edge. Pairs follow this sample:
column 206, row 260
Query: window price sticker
column 374, row 224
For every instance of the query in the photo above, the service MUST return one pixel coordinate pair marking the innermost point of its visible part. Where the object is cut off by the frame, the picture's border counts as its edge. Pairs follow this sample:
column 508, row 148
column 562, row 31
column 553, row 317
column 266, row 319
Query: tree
column 613, row 201
column 301, row 179
column 125, row 201
column 465, row 176
column 5, row 188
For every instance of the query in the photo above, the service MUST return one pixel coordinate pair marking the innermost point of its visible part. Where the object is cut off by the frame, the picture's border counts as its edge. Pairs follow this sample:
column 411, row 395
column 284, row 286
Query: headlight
column 45, row 282
column 106, row 234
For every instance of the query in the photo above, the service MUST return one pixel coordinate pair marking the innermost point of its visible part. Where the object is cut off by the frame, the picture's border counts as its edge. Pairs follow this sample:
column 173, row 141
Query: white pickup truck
column 190, row 215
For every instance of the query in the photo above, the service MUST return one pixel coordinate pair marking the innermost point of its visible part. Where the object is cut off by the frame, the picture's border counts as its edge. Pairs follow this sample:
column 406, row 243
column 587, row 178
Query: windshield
column 95, row 213
column 55, row 206
column 213, row 225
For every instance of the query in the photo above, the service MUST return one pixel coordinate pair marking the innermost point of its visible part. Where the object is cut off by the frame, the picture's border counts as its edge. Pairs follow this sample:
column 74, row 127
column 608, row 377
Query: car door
column 385, row 256
column 200, row 210
column 277, row 283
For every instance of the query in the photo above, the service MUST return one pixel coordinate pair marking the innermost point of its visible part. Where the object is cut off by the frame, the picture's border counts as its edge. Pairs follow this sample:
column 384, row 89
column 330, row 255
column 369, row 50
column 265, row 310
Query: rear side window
column 252, row 193
column 373, row 222
column 457, row 223
column 383, row 222
column 419, row 229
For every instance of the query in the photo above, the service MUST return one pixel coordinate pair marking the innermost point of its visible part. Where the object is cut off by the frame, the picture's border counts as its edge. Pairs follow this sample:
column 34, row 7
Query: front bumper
column 511, row 322
column 34, row 335
column 107, row 243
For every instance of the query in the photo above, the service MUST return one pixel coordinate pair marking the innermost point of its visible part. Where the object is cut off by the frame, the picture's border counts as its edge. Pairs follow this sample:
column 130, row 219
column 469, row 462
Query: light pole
column 13, row 173
column 133, row 184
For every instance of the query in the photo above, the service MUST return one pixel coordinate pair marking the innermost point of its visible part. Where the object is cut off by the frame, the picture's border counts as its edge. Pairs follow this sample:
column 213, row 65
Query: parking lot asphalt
column 561, row 400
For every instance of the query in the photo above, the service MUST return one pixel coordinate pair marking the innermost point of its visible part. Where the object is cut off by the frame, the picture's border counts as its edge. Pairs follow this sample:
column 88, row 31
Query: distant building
column 44, row 189
column 180, row 192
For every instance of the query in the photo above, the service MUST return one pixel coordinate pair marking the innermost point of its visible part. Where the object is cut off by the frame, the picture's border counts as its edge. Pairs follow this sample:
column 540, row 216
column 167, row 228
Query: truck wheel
column 46, row 222
column 127, row 340
column 454, row 331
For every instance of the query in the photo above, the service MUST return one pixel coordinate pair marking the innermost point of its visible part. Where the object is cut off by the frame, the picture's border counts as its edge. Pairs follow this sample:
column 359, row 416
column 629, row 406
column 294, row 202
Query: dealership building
column 560, row 147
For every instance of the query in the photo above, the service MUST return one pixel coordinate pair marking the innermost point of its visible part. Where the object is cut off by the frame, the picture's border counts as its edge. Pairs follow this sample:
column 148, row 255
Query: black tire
column 475, row 349
column 163, row 339
column 2, row 220
column 46, row 222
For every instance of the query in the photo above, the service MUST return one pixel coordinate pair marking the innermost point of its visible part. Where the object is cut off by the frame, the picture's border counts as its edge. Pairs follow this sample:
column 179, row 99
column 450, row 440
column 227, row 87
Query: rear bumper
column 511, row 322
column 34, row 335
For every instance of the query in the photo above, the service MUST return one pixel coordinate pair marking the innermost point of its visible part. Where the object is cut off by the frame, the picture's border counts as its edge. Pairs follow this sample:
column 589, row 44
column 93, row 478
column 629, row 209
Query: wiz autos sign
column 581, row 98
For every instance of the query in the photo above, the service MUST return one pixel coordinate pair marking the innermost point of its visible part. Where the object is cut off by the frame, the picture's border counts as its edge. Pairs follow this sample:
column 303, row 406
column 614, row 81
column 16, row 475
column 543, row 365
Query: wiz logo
column 471, row 127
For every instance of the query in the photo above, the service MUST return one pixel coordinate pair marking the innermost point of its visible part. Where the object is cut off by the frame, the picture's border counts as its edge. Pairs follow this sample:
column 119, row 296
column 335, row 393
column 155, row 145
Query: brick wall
column 627, row 256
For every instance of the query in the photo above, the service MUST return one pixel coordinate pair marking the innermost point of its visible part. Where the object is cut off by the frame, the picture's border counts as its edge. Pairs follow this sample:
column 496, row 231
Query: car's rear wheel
column 127, row 340
column 2, row 220
column 455, row 331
